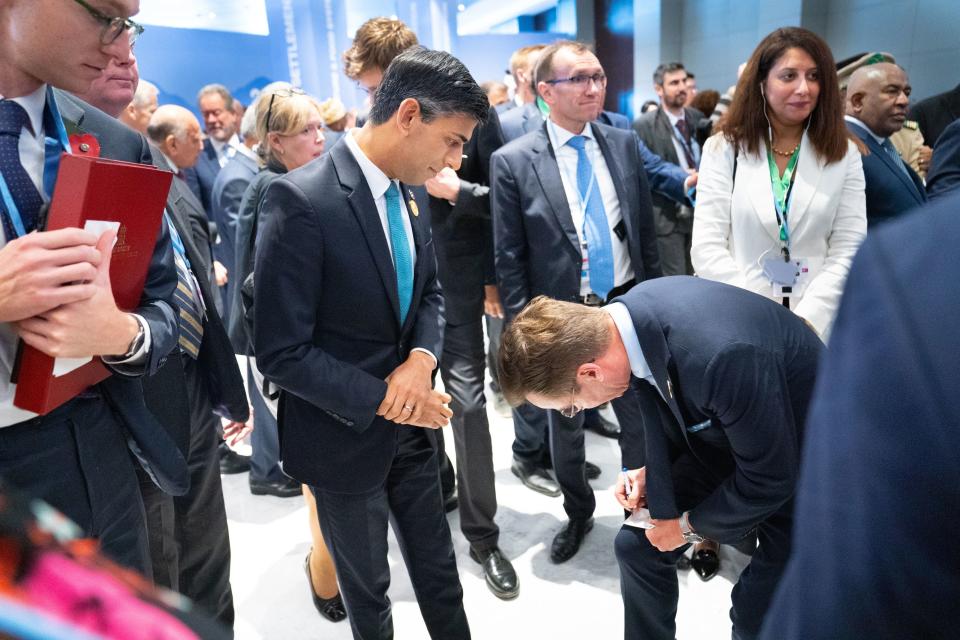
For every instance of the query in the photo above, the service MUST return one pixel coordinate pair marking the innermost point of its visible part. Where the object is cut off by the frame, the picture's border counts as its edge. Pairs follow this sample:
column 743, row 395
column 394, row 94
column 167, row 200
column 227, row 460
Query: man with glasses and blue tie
column 55, row 289
column 573, row 221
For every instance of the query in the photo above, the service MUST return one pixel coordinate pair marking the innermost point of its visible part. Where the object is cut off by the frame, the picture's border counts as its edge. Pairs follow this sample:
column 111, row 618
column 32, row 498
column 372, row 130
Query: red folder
column 97, row 189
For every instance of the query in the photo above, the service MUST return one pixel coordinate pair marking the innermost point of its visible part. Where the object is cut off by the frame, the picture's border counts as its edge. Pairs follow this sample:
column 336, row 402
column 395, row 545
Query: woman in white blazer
column 786, row 126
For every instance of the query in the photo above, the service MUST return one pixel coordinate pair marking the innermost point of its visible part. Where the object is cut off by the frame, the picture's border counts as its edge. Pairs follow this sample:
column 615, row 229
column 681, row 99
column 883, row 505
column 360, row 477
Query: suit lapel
column 755, row 174
column 619, row 180
column 365, row 209
column 414, row 202
column 664, row 131
column 809, row 169
column 888, row 162
column 548, row 173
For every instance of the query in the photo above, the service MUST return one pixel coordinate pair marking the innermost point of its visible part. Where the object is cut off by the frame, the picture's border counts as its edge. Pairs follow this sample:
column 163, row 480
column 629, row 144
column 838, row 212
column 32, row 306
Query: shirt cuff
column 435, row 361
column 139, row 357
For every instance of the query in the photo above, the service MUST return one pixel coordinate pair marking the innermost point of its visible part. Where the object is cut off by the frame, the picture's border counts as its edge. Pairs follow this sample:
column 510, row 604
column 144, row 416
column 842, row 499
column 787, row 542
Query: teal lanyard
column 52, row 149
column 782, row 193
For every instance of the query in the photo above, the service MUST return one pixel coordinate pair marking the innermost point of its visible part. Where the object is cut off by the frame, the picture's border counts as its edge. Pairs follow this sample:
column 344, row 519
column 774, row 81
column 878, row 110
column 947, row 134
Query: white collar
column 861, row 123
column 628, row 334
column 33, row 104
column 673, row 119
column 376, row 179
column 233, row 141
column 560, row 136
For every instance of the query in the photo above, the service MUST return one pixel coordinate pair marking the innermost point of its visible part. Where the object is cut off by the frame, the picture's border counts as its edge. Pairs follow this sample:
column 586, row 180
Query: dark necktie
column 13, row 118
column 685, row 135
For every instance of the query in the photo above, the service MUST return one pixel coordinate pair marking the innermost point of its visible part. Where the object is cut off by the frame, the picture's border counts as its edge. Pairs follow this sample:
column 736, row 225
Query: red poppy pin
column 85, row 144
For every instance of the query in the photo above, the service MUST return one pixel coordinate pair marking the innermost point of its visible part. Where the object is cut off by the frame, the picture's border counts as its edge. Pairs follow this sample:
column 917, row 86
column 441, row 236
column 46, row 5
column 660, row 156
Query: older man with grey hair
column 137, row 114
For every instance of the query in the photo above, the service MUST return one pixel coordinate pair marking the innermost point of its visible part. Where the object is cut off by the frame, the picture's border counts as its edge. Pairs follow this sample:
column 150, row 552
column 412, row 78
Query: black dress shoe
column 705, row 562
column 233, row 462
column 535, row 477
column 287, row 488
column 501, row 578
column 568, row 541
column 330, row 608
column 602, row 426
column 592, row 470
column 451, row 502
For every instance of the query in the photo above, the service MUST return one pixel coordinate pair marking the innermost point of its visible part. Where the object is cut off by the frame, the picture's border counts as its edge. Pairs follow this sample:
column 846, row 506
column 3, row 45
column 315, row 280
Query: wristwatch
column 689, row 534
column 137, row 341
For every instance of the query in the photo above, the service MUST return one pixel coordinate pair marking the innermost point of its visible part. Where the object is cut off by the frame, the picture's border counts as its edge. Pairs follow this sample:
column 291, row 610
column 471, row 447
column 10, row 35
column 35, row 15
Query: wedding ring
column 408, row 407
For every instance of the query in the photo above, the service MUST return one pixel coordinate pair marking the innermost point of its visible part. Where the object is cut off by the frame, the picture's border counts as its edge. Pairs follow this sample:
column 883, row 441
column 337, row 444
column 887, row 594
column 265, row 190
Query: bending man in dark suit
column 358, row 410
column 878, row 490
column 876, row 106
column 553, row 192
column 723, row 378
column 76, row 457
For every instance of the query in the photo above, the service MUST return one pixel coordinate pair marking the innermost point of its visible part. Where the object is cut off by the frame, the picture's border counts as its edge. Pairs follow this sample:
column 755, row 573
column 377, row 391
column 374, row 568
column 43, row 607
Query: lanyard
column 689, row 148
column 782, row 193
column 52, row 148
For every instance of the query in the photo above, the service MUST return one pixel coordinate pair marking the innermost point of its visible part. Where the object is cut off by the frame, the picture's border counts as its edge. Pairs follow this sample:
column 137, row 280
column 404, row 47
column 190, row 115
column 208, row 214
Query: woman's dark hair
column 436, row 80
column 745, row 123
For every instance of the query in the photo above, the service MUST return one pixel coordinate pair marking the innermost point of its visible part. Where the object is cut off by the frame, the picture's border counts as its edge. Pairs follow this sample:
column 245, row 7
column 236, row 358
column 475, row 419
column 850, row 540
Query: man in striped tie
column 348, row 323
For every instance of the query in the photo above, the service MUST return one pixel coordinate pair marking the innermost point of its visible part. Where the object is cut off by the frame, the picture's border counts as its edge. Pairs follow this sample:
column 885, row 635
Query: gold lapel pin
column 413, row 205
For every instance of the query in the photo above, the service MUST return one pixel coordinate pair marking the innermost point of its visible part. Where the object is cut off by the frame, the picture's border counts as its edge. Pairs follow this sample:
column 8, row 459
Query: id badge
column 787, row 278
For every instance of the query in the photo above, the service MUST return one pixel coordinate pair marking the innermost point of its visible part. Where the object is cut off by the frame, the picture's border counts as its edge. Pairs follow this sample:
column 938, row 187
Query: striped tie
column 190, row 317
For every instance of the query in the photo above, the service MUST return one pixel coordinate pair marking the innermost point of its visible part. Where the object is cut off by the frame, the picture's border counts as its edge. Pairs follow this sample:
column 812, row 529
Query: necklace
column 785, row 154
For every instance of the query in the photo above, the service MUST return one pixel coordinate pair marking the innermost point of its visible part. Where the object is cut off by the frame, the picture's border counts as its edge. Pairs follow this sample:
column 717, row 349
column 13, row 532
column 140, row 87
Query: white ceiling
column 238, row 16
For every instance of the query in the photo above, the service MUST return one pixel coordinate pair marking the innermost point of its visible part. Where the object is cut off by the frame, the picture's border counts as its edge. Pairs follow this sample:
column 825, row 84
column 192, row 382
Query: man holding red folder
column 55, row 291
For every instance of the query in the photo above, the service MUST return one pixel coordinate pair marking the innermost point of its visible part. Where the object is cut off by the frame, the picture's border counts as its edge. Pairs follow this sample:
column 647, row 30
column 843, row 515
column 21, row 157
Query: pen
column 626, row 482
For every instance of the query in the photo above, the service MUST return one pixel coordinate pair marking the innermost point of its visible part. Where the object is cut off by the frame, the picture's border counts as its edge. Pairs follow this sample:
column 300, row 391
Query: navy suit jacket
column 228, row 189
column 890, row 193
column 537, row 250
column 202, row 175
column 327, row 320
column 743, row 363
column 151, row 444
column 877, row 501
column 944, row 174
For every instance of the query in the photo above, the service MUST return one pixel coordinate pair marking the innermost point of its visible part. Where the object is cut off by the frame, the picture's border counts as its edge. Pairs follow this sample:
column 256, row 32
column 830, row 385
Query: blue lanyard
column 687, row 147
column 52, row 149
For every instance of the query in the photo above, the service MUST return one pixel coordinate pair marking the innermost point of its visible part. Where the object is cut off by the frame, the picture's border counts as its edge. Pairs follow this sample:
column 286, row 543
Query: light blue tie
column 402, row 262
column 596, row 226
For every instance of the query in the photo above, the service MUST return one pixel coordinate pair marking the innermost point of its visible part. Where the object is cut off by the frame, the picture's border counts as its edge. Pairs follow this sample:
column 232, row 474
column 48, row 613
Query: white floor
column 578, row 599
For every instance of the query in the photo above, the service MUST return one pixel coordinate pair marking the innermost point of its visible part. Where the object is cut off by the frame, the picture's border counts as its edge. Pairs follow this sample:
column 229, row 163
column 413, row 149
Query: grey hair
column 145, row 91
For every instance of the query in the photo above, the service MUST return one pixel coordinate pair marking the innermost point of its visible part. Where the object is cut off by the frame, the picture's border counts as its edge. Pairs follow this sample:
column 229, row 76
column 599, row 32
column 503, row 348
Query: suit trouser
column 494, row 329
column 674, row 249
column 648, row 577
column 265, row 439
column 355, row 529
column 189, row 540
column 76, row 459
column 461, row 366
column 569, row 454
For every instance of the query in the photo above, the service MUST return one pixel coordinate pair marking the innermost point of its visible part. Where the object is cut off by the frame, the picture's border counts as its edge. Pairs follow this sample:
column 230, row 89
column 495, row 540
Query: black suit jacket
column 944, row 174
column 463, row 233
column 537, row 248
column 327, row 326
column 748, row 372
column 934, row 114
column 656, row 132
column 890, row 192
column 153, row 447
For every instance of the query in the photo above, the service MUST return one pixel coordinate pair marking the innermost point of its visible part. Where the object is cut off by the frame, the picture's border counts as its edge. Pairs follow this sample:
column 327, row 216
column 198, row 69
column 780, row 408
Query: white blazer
column 735, row 224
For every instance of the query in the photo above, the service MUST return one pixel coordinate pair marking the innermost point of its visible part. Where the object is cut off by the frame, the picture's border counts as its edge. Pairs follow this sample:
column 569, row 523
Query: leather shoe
column 450, row 502
column 535, row 477
column 501, row 578
column 705, row 561
column 600, row 425
column 592, row 470
column 286, row 488
column 233, row 462
column 567, row 542
column 330, row 608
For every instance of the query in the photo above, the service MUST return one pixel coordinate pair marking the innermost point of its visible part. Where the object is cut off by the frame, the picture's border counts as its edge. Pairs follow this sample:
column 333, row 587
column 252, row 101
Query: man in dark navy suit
column 77, row 456
column 876, row 107
column 878, row 499
column 723, row 378
column 944, row 175
column 357, row 410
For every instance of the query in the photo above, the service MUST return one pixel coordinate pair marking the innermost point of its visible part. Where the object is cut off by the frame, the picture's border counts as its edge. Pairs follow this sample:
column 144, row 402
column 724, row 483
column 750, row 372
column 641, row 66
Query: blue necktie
column 596, row 226
column 897, row 160
column 13, row 118
column 402, row 262
column 190, row 318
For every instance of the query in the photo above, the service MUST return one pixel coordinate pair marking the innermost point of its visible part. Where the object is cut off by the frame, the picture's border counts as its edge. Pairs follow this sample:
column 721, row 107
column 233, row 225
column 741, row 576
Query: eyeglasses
column 582, row 81
column 572, row 409
column 113, row 27
column 280, row 93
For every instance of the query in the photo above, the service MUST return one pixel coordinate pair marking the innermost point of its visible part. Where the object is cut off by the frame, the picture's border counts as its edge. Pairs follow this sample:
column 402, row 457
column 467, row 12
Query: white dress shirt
column 677, row 145
column 567, row 160
column 226, row 150
column 628, row 334
column 31, row 148
column 378, row 182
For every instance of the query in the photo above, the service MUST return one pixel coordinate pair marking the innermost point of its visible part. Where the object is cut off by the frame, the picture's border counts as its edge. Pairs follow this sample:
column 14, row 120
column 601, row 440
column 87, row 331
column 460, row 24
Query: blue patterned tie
column 402, row 262
column 13, row 118
column 190, row 318
column 596, row 225
column 897, row 160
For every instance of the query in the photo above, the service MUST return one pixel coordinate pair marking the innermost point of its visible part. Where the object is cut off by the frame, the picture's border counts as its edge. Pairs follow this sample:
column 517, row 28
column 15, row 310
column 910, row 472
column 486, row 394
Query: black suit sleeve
column 510, row 241
column 288, row 286
column 749, row 395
